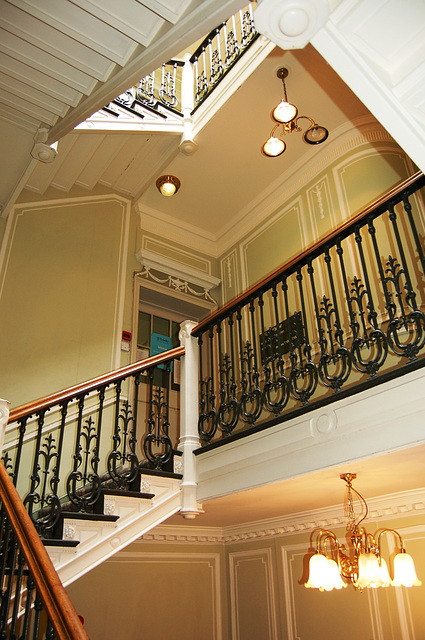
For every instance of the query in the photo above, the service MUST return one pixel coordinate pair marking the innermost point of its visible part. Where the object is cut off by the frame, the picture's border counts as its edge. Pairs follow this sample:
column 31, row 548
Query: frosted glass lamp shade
column 284, row 112
column 404, row 571
column 168, row 185
column 273, row 147
column 315, row 134
column 323, row 574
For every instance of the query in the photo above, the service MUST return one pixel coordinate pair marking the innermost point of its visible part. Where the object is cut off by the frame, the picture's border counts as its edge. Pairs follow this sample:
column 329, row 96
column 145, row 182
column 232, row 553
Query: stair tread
column 160, row 474
column 128, row 494
column 57, row 542
column 76, row 515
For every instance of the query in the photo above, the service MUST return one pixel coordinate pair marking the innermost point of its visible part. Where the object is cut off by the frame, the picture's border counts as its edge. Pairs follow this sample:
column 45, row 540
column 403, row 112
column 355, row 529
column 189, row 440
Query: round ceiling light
column 168, row 185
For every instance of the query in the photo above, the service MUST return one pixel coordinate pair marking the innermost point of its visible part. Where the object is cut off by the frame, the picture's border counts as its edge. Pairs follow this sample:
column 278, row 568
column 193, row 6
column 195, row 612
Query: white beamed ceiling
column 63, row 60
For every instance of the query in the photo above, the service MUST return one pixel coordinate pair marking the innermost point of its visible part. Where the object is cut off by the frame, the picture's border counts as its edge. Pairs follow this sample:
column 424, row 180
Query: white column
column 189, row 412
column 188, row 144
column 4, row 417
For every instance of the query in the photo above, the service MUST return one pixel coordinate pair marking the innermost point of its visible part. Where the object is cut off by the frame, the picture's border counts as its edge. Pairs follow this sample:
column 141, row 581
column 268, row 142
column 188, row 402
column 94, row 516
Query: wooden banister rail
column 58, row 606
column 86, row 387
column 394, row 195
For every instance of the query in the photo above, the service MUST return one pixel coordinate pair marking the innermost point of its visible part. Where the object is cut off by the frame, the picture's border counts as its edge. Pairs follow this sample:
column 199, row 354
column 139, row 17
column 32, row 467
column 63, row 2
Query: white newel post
column 4, row 417
column 189, row 411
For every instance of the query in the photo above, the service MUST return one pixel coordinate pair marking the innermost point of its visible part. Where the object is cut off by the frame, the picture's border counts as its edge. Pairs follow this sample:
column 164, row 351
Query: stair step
column 58, row 531
column 54, row 542
column 161, row 474
column 98, row 517
column 99, row 505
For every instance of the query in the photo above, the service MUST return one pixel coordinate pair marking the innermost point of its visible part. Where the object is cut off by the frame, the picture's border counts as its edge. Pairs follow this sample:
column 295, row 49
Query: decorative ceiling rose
column 291, row 24
column 168, row 185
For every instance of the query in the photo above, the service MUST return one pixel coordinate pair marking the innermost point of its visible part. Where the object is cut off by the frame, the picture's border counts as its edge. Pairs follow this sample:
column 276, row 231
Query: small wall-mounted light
column 168, row 185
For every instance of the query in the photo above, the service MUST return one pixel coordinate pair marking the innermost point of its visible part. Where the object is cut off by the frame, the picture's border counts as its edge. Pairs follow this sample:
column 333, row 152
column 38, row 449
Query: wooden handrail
column 85, row 387
column 411, row 184
column 59, row 608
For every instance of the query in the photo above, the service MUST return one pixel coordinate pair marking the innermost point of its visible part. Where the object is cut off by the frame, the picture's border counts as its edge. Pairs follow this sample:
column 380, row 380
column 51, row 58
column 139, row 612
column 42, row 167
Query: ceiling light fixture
column 362, row 565
column 168, row 185
column 286, row 116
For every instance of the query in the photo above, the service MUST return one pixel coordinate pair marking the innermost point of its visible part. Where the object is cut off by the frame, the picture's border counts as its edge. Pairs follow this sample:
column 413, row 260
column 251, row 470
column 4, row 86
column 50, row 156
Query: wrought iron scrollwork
column 123, row 463
column 157, row 444
column 207, row 424
column 83, row 484
column 410, row 321
column 228, row 412
column 167, row 92
column 341, row 309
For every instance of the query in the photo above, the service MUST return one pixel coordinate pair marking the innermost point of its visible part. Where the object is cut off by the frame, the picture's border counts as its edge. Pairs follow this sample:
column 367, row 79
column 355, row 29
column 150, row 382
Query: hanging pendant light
column 286, row 116
column 362, row 565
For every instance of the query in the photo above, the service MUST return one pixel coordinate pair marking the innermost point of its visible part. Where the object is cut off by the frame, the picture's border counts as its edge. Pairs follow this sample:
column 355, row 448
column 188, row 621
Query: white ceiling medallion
column 291, row 23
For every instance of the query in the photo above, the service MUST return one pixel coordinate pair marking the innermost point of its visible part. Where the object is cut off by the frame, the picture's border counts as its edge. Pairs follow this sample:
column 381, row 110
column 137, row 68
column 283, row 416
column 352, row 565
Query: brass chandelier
column 361, row 564
column 286, row 116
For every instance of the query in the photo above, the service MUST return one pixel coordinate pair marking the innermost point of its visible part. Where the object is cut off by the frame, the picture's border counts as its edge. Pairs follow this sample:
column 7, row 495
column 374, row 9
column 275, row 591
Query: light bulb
column 284, row 112
column 273, row 147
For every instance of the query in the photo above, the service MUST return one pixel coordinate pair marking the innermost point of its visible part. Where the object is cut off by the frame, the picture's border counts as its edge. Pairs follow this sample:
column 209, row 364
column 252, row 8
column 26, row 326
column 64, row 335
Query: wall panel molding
column 261, row 559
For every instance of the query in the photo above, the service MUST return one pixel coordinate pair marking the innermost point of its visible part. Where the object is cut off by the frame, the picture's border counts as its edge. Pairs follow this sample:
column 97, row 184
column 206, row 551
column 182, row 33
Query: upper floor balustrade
column 344, row 315
column 213, row 58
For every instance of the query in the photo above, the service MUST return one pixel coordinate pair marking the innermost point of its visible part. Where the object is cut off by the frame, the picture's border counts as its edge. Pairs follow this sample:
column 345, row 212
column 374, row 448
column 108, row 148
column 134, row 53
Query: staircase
column 81, row 541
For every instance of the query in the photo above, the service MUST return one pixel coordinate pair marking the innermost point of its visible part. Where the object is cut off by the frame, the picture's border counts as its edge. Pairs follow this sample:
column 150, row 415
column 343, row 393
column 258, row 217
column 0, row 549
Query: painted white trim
column 397, row 506
column 234, row 559
column 212, row 560
column 344, row 138
column 177, row 269
column 385, row 418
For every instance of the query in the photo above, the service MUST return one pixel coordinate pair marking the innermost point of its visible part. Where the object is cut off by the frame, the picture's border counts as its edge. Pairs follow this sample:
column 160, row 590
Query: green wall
column 307, row 213
column 220, row 586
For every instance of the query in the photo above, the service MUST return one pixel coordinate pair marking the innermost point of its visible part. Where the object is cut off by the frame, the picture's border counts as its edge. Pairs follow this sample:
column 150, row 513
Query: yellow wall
column 64, row 294
column 306, row 214
column 245, row 590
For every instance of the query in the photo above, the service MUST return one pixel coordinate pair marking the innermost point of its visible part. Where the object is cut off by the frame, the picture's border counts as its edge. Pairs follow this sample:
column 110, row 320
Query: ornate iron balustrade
column 102, row 431
column 161, row 87
column 33, row 602
column 347, row 314
column 214, row 57
column 220, row 50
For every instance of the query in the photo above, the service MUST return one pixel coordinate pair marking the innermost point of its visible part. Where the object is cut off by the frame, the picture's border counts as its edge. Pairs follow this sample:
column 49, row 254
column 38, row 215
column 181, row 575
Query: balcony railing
column 214, row 57
column 347, row 314
column 59, row 451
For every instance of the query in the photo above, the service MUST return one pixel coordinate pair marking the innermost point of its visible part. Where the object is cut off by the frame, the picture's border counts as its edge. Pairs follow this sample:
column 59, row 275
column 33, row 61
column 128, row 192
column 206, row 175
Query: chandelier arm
column 312, row 123
column 379, row 533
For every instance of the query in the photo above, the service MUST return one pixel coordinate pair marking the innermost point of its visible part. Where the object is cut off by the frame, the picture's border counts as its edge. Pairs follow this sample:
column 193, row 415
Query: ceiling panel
column 81, row 54
column 70, row 20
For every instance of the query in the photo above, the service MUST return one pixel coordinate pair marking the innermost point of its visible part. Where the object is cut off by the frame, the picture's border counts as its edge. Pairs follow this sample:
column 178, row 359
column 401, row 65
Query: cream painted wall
column 64, row 294
column 301, row 216
column 208, row 588
column 153, row 592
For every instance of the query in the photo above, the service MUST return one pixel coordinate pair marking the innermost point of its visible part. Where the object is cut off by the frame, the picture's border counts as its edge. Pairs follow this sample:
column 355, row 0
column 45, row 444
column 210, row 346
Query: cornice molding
column 391, row 506
column 345, row 138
